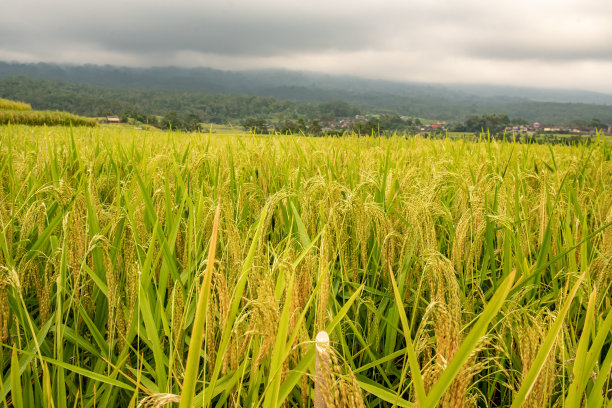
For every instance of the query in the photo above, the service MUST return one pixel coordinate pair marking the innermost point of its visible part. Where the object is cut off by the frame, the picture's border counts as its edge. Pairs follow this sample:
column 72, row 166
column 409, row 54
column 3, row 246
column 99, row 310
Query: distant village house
column 111, row 119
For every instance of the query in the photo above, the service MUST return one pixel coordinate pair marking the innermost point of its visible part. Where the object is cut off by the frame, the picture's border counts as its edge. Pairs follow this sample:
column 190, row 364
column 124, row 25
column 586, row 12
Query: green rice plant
column 587, row 357
column 201, row 310
column 543, row 353
column 151, row 269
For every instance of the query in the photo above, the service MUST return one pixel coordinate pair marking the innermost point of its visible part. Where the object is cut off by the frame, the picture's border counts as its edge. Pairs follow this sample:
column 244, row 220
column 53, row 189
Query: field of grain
column 447, row 273
column 12, row 112
column 6, row 104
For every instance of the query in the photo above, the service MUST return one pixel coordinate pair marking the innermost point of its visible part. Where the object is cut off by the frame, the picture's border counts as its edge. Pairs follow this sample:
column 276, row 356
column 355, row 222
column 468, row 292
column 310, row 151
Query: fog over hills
column 440, row 101
column 287, row 84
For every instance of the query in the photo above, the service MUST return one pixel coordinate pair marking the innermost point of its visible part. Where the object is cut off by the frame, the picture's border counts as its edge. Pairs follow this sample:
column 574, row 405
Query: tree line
column 186, row 110
column 496, row 123
column 163, row 108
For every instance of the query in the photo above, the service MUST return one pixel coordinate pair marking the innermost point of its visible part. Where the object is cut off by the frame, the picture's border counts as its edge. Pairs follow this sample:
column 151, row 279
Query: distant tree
column 394, row 122
column 192, row 123
column 124, row 117
column 314, row 128
column 326, row 118
column 337, row 108
column 150, row 120
column 367, row 128
column 474, row 123
column 494, row 123
column 172, row 121
column 254, row 125
column 301, row 124
column 597, row 124
column 288, row 126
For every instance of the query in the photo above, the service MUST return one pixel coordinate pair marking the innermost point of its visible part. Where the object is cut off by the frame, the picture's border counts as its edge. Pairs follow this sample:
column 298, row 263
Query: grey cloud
column 244, row 35
column 247, row 28
column 550, row 52
column 398, row 38
column 238, row 37
column 551, row 46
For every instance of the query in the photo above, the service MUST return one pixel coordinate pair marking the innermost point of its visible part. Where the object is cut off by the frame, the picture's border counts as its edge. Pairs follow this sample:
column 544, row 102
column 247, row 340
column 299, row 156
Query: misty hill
column 436, row 101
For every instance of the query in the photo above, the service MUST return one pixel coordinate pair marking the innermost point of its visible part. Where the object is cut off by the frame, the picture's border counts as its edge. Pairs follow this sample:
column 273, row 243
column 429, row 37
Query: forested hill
column 294, row 85
column 91, row 100
column 224, row 95
column 423, row 100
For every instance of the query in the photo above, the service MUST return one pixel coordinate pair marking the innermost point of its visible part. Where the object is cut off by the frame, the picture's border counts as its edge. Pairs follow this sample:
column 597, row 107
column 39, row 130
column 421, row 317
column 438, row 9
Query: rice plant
column 44, row 118
column 6, row 104
column 146, row 269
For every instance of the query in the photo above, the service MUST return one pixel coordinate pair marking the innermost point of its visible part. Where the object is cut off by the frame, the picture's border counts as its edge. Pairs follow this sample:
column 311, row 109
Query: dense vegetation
column 445, row 272
column 221, row 97
column 299, row 86
column 216, row 108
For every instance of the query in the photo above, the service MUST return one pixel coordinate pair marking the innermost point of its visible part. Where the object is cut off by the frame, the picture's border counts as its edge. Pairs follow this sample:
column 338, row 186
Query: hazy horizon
column 544, row 44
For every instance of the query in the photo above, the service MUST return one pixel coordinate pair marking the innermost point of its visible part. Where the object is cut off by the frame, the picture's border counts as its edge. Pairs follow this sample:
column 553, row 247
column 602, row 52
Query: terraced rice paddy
column 12, row 112
column 447, row 273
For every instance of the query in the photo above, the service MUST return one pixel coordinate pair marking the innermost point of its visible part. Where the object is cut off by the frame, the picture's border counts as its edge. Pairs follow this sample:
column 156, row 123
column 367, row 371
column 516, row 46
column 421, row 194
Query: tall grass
column 446, row 273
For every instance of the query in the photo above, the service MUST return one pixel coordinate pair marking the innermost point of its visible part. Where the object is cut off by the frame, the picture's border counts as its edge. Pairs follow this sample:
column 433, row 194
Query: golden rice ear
column 158, row 400
column 322, row 370
column 4, row 307
column 335, row 383
column 531, row 331
column 323, row 275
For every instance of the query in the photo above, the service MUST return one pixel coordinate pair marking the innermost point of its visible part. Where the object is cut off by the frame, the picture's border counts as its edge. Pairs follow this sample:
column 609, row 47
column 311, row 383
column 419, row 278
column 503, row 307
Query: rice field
column 20, row 113
column 44, row 118
column 157, row 269
column 6, row 104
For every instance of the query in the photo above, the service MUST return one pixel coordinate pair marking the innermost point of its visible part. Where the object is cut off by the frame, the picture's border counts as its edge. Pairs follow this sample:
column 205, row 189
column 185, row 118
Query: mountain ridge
column 451, row 102
column 271, row 82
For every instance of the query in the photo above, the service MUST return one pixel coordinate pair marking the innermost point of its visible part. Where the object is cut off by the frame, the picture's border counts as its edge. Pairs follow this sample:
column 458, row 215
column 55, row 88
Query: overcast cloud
column 544, row 43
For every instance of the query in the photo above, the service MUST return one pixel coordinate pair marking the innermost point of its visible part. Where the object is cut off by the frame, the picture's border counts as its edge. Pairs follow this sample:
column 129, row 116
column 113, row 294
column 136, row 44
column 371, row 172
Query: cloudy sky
column 544, row 43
